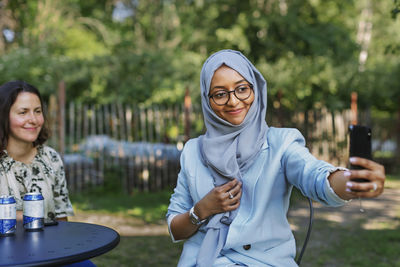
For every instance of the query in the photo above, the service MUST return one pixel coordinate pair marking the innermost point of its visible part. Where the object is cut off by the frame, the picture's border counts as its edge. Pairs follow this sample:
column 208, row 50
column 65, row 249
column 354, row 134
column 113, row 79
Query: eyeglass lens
column 241, row 92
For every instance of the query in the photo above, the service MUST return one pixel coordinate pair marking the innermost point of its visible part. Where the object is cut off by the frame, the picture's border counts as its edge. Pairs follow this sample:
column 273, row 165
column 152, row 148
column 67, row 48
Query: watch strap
column 194, row 219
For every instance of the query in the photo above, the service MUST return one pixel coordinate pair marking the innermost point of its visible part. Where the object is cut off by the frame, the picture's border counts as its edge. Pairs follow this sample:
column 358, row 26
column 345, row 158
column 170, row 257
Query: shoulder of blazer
column 281, row 138
column 190, row 157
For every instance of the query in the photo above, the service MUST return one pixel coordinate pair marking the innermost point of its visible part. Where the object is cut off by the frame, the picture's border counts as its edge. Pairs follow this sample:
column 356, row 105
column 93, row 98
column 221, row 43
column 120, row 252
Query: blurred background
column 121, row 83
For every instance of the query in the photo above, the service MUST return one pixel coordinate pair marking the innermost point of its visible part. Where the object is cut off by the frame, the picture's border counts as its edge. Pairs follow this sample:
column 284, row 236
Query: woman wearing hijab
column 233, row 190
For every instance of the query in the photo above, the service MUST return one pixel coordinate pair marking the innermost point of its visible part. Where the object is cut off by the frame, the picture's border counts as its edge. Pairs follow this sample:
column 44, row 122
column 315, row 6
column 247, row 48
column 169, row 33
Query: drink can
column 8, row 215
column 33, row 218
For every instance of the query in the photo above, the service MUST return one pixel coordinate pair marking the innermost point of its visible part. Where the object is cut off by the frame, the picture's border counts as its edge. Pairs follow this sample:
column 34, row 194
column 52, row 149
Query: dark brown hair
column 8, row 94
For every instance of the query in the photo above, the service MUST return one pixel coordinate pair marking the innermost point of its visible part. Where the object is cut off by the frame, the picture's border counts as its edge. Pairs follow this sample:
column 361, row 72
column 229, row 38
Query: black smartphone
column 50, row 222
column 360, row 145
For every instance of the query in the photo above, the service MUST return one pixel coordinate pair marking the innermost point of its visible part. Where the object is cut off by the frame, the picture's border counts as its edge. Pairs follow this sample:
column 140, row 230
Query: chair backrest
column 300, row 256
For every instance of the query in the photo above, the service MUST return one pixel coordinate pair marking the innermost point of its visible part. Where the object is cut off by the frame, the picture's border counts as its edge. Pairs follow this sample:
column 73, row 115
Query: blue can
column 33, row 218
column 8, row 215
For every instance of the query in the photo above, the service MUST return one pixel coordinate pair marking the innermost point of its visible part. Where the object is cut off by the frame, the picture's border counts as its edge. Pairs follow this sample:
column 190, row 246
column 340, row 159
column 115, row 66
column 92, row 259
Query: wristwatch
column 194, row 219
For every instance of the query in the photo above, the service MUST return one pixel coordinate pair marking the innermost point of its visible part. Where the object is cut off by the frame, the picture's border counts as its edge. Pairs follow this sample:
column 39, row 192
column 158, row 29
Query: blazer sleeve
column 307, row 173
column 181, row 200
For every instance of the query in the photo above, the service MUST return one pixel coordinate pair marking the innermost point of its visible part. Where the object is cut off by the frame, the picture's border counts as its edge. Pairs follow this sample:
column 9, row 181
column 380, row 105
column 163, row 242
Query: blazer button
column 247, row 247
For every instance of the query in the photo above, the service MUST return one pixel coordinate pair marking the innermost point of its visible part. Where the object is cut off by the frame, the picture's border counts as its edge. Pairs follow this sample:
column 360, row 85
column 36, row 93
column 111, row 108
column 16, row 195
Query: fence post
column 354, row 114
column 188, row 107
column 398, row 139
column 61, row 117
column 278, row 106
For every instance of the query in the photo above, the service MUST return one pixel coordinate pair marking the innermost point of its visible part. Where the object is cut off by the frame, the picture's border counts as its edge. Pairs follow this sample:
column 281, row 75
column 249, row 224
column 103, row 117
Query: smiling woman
column 23, row 121
column 26, row 119
column 227, row 107
column 27, row 165
column 233, row 190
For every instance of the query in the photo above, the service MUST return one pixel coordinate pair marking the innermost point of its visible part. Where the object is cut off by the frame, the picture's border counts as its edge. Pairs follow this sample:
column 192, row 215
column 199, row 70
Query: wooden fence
column 140, row 146
column 326, row 134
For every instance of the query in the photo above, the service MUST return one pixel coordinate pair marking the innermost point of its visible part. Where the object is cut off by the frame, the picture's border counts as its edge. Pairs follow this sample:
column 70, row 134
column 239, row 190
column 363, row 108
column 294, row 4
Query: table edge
column 77, row 257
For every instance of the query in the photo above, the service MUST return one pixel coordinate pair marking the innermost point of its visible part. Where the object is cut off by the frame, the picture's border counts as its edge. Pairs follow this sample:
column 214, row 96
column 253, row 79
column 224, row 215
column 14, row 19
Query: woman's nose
column 233, row 100
column 32, row 118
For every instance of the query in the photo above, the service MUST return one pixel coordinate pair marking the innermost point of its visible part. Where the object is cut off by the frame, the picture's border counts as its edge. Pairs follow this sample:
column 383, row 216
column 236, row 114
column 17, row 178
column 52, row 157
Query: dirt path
column 123, row 225
column 379, row 213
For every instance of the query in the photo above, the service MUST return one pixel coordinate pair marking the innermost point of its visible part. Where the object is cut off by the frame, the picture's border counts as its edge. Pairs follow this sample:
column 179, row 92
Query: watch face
column 194, row 221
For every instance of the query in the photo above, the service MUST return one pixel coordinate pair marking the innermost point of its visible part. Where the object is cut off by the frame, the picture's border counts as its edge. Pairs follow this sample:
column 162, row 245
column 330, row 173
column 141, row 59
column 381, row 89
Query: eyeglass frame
column 229, row 95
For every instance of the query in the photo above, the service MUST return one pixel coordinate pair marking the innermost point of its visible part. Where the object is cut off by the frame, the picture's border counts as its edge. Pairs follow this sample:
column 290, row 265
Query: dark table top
column 64, row 243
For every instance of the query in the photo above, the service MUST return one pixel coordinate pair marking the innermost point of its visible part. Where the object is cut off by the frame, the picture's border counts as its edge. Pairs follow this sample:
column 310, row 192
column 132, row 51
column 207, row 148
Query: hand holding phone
column 360, row 146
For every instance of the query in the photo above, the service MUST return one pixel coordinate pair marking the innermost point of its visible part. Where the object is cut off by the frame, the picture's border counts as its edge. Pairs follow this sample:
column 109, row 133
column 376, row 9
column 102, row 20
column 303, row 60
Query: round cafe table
column 65, row 243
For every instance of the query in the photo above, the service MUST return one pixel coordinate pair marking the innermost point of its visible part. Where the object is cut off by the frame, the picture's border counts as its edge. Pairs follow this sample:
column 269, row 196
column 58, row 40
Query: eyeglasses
column 242, row 92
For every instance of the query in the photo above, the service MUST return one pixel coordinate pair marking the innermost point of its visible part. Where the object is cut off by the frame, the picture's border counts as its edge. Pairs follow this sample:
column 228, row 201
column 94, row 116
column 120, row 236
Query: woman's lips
column 235, row 112
column 31, row 129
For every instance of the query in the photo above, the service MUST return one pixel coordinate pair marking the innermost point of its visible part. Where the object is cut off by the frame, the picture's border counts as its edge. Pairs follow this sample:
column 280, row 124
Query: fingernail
column 352, row 160
column 349, row 184
column 347, row 173
column 347, row 190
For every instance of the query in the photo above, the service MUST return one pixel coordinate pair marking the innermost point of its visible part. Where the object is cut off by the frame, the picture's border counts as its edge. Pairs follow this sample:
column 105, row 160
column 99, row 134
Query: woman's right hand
column 216, row 201
column 220, row 199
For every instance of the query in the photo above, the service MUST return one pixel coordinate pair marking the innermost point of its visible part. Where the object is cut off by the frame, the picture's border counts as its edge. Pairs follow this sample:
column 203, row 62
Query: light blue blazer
column 261, row 220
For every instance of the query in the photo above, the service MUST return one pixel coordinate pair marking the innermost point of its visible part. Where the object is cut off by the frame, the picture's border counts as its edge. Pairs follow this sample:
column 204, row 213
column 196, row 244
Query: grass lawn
column 331, row 243
column 141, row 251
column 145, row 209
column 337, row 244
column 150, row 208
column 334, row 245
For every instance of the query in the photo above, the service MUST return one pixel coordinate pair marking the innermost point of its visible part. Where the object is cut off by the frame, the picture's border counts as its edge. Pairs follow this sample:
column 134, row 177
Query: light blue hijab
column 229, row 150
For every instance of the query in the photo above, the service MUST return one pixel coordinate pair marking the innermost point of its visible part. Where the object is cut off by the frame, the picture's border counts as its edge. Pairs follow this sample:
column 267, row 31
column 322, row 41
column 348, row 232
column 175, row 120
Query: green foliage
column 307, row 49
column 33, row 65
column 396, row 8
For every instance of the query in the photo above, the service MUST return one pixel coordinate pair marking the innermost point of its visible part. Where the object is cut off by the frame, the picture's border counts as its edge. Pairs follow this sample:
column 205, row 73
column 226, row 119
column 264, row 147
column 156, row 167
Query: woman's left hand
column 372, row 172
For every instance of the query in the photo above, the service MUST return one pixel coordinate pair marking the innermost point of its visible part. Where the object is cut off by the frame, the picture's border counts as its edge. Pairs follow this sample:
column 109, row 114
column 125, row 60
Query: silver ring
column 230, row 195
column 375, row 187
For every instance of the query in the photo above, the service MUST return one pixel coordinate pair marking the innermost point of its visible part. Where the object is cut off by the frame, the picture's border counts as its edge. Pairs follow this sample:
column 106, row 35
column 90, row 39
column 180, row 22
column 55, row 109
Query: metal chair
column 310, row 221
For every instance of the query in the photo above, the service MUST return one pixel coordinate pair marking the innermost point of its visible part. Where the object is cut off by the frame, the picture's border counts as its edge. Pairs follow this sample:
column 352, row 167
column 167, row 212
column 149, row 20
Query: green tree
column 307, row 49
column 396, row 8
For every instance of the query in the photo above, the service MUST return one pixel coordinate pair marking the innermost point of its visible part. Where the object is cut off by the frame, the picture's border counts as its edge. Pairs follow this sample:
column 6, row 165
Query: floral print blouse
column 45, row 174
